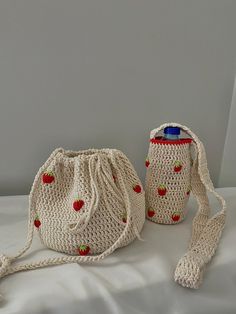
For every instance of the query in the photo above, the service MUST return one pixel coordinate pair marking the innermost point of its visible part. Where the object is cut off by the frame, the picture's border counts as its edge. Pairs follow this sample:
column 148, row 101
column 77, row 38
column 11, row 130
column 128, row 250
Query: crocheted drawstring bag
column 174, row 167
column 85, row 204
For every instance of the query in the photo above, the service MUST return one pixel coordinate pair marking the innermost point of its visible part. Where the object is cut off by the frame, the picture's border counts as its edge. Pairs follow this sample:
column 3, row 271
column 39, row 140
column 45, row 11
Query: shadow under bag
column 171, row 174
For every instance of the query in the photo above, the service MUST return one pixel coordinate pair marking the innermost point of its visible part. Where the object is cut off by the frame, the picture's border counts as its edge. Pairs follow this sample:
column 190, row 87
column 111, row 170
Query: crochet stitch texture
column 168, row 181
column 77, row 203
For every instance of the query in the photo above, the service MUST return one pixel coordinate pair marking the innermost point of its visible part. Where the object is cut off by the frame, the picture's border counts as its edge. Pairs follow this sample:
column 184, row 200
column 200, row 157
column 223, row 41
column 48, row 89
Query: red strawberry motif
column 151, row 212
column 147, row 163
column 83, row 250
column 114, row 177
column 137, row 188
column 48, row 177
column 188, row 192
column 78, row 204
column 37, row 222
column 161, row 190
column 175, row 216
column 178, row 166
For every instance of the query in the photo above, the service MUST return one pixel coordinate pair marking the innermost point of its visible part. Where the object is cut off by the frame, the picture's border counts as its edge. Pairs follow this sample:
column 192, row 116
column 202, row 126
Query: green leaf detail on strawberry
column 78, row 204
column 83, row 250
column 162, row 190
column 178, row 166
column 137, row 188
column 48, row 177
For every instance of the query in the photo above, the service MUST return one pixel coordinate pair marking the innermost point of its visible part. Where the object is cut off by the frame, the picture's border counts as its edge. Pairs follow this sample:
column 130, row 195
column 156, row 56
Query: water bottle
column 171, row 133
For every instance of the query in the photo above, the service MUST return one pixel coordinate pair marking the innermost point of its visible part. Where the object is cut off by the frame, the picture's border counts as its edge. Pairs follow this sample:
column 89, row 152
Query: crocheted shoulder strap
column 6, row 262
column 206, row 231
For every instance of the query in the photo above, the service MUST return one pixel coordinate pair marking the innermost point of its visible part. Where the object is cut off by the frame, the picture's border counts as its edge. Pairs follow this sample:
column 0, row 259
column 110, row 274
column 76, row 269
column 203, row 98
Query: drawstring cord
column 99, row 176
column 82, row 223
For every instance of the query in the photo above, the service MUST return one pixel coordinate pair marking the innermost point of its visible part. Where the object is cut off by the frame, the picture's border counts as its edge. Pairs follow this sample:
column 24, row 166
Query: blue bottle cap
column 172, row 130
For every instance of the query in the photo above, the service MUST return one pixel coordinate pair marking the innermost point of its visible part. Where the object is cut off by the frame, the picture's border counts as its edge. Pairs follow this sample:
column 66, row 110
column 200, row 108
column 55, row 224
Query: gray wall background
column 82, row 74
column 227, row 175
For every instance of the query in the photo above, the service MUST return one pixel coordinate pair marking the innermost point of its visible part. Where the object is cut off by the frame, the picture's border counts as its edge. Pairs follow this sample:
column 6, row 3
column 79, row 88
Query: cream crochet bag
column 85, row 204
column 170, row 177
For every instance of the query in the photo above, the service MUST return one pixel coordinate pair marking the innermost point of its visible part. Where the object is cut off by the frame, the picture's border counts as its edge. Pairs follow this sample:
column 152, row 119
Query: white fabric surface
column 135, row 279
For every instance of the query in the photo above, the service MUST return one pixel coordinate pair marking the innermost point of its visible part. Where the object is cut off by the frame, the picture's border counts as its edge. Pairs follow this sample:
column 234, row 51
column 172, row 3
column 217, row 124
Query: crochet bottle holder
column 169, row 179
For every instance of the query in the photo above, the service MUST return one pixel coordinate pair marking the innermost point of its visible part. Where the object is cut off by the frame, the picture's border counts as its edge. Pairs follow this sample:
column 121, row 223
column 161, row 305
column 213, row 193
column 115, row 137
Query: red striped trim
column 160, row 140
